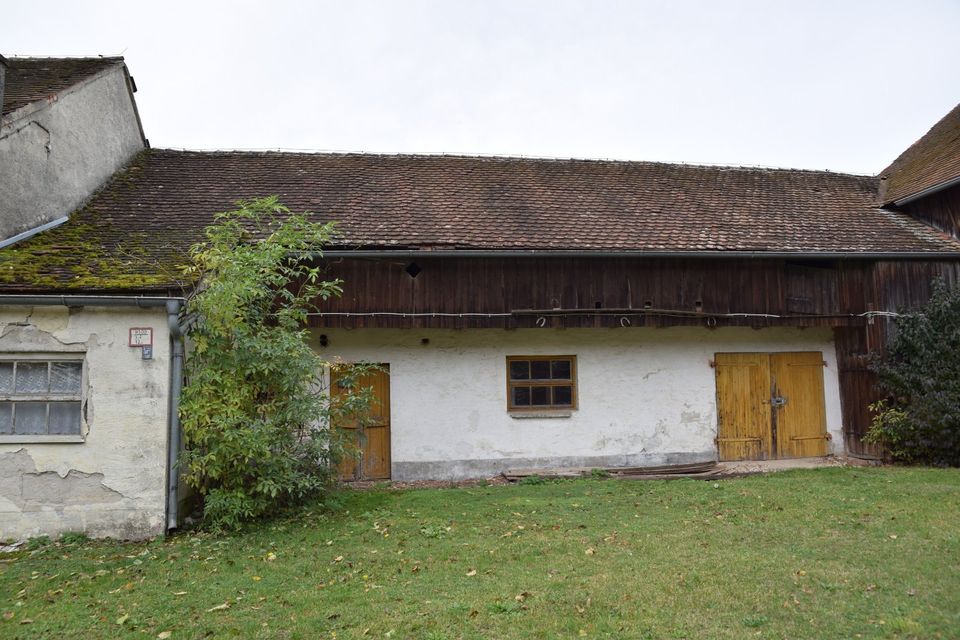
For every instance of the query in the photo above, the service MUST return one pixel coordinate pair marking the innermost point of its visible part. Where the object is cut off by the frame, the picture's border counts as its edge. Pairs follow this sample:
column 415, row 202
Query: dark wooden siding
column 858, row 389
column 648, row 292
column 941, row 210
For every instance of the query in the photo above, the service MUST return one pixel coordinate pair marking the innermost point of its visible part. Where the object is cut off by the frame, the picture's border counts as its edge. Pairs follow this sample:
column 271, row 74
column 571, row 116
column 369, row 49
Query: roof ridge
column 495, row 156
column 11, row 58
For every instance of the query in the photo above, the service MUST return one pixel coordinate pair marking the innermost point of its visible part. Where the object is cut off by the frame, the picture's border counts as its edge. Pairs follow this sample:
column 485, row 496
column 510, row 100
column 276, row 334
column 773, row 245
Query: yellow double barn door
column 770, row 405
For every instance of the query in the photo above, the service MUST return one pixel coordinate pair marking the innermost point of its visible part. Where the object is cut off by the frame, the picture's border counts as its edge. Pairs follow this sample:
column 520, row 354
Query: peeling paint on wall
column 113, row 482
column 29, row 489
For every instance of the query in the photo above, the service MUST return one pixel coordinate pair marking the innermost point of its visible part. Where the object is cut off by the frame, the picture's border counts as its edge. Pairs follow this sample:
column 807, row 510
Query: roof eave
column 923, row 193
column 599, row 253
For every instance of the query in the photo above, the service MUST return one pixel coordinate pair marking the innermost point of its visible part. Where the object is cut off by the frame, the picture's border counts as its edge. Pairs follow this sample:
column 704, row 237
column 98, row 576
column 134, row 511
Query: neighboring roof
column 132, row 233
column 32, row 79
column 931, row 161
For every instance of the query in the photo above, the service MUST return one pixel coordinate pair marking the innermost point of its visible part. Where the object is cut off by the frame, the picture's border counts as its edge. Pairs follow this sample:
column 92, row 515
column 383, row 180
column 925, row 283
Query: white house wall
column 112, row 483
column 54, row 155
column 646, row 396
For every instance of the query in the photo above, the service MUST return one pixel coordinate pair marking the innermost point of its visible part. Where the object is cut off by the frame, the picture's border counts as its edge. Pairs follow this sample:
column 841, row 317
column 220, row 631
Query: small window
column 40, row 397
column 541, row 383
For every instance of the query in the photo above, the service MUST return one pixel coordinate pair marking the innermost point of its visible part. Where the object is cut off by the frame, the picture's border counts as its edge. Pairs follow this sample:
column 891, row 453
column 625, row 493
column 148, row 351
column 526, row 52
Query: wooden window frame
column 48, row 397
column 543, row 408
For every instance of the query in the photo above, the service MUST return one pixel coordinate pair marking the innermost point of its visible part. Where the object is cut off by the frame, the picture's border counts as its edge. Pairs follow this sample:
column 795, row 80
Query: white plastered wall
column 112, row 483
column 54, row 154
column 646, row 396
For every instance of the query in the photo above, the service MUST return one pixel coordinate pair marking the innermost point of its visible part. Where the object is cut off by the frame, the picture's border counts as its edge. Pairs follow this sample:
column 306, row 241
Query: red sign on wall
column 141, row 337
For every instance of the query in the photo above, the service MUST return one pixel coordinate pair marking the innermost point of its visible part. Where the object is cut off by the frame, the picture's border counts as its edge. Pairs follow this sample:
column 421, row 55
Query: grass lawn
column 826, row 553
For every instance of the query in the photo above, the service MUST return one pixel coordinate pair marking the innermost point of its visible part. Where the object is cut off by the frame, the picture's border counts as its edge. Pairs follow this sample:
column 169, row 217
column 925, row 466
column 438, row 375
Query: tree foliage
column 920, row 421
column 256, row 421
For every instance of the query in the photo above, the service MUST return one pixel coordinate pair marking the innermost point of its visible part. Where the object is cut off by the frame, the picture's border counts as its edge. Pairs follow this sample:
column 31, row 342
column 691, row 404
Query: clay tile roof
column 31, row 79
column 931, row 161
column 152, row 211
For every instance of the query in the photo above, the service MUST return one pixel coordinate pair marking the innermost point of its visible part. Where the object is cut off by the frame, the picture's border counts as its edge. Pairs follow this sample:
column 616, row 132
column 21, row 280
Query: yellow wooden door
column 368, row 438
column 770, row 405
column 743, row 409
column 799, row 414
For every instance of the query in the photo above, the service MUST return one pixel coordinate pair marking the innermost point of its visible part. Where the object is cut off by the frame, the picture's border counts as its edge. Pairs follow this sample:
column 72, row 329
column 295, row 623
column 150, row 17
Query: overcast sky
column 838, row 85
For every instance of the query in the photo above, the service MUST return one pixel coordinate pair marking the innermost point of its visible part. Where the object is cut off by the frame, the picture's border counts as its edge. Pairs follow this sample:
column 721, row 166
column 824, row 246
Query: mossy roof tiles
column 931, row 161
column 29, row 80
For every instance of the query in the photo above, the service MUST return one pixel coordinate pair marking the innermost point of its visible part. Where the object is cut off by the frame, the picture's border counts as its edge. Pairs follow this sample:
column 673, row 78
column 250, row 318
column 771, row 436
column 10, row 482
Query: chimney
column 3, row 74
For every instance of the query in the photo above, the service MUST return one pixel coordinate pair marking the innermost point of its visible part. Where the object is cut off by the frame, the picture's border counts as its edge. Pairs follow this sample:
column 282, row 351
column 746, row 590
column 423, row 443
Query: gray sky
column 838, row 85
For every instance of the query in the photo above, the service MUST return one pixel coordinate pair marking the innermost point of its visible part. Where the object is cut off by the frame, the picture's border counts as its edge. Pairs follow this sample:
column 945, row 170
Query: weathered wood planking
column 805, row 290
column 858, row 389
column 941, row 210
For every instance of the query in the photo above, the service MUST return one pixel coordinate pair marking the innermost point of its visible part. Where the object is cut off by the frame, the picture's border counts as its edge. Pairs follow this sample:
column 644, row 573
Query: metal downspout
column 176, row 387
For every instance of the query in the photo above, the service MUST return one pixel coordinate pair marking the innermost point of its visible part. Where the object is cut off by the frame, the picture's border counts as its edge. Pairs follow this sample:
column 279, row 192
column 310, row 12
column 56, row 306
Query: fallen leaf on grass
column 590, row 551
column 26, row 621
column 472, row 572
column 122, row 619
column 163, row 635
column 219, row 607
column 8, row 615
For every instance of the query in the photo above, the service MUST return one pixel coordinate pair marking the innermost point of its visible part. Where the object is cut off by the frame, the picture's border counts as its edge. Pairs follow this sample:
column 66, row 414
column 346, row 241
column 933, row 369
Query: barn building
column 527, row 313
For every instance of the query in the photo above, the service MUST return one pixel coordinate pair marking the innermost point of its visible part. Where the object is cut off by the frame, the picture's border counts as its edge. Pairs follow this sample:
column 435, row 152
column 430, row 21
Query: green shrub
column 920, row 421
column 256, row 421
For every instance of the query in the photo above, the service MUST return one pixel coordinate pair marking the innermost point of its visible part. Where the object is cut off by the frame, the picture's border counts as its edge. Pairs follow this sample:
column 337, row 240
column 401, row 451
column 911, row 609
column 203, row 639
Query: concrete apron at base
column 467, row 469
column 646, row 396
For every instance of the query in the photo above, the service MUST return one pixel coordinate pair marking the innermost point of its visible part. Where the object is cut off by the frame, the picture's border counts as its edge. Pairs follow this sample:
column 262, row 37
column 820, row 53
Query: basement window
column 541, row 383
column 40, row 399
